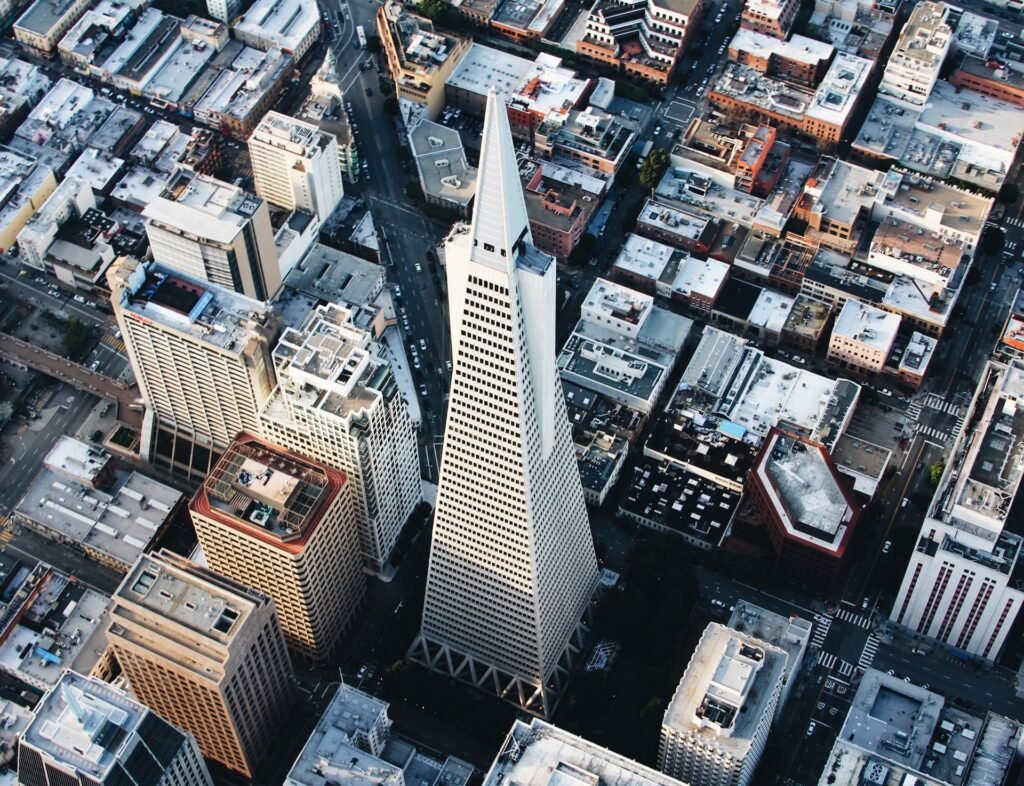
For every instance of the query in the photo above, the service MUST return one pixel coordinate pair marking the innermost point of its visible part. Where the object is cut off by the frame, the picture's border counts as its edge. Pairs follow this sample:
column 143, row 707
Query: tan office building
column 206, row 653
column 286, row 525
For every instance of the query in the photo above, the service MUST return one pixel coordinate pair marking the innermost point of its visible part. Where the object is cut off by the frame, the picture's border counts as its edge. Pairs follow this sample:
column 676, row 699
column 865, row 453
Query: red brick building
column 806, row 509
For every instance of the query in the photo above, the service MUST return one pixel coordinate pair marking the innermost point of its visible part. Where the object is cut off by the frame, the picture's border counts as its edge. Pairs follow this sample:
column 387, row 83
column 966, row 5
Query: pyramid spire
column 499, row 211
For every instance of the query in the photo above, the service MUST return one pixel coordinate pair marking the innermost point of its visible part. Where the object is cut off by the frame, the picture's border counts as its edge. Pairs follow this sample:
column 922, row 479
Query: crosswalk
column 938, row 402
column 914, row 410
column 830, row 661
column 854, row 618
column 1014, row 222
column 6, row 531
column 115, row 344
column 933, row 433
column 958, row 427
column 821, row 626
column 867, row 655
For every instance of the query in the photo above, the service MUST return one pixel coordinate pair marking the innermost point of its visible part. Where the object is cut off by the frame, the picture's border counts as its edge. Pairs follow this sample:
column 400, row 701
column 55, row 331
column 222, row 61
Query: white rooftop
column 285, row 23
column 771, row 311
column 804, row 492
column 835, row 97
column 548, row 87
column 205, row 206
column 703, row 277
column 867, row 325
column 643, row 257
column 336, row 751
column 669, row 219
column 539, row 754
column 728, row 688
column 990, row 128
column 296, row 136
column 799, row 48
column 483, row 67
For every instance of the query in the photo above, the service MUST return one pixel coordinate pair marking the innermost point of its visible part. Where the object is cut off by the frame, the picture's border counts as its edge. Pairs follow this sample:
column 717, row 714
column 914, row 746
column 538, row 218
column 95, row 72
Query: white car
column 419, row 268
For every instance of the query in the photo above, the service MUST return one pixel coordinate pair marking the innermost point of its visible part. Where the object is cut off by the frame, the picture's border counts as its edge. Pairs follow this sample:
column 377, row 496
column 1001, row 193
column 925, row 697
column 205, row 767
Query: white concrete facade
column 337, row 401
column 295, row 165
column 512, row 564
column 962, row 585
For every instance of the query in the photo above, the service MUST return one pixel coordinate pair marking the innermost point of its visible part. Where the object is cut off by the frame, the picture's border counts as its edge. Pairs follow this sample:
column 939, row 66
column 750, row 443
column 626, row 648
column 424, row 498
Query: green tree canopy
column 435, row 10
column 653, row 168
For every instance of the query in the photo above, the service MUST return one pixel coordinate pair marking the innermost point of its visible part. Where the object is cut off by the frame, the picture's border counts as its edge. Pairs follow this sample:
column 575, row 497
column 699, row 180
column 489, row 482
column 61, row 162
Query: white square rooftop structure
column 872, row 327
column 292, row 25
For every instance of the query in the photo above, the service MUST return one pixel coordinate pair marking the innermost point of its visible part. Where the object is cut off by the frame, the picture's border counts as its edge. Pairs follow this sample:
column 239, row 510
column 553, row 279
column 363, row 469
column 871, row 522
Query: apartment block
column 207, row 654
column 716, row 725
column 287, row 526
column 862, row 337
column 214, row 231
column 773, row 18
column 643, row 40
column 420, row 57
column 913, row 67
column 337, row 401
column 87, row 733
column 589, row 139
column 295, row 165
column 245, row 90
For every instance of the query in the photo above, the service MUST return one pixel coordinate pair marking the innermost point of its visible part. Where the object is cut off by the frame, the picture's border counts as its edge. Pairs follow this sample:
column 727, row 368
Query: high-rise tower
column 512, row 565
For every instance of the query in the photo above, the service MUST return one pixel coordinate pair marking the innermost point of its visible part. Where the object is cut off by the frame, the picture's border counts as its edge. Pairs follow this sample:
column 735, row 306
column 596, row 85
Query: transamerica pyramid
column 512, row 566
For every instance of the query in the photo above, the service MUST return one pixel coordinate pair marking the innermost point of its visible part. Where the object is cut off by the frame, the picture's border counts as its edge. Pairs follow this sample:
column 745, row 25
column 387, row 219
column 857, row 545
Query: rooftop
column 43, row 15
column 648, row 259
column 990, row 470
column 867, row 325
column 53, row 623
column 100, row 732
column 78, row 460
column 441, row 162
column 187, row 62
column 893, row 718
column 771, row 311
column 204, row 206
column 925, row 201
column 332, row 365
column 240, row 88
column 801, row 481
column 214, row 315
column 680, row 500
column 482, row 67
column 336, row 276
column 532, row 15
column 295, row 136
column 832, row 102
column 535, row 753
column 673, row 221
column 799, row 48
column 421, row 47
column 847, row 191
column 119, row 521
column 339, row 749
column 268, row 493
column 807, row 318
column 184, row 594
column 546, row 86
column 918, row 354
column 283, row 23
column 700, row 277
column 729, row 377
column 924, row 254
column 728, row 688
